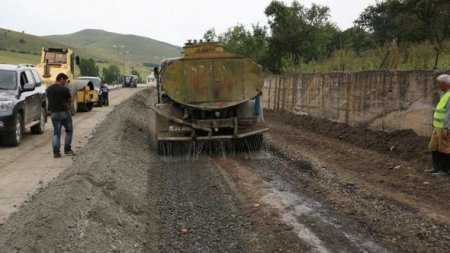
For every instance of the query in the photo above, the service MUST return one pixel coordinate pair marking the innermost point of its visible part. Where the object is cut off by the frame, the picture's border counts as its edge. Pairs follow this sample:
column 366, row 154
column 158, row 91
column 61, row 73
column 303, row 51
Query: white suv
column 22, row 103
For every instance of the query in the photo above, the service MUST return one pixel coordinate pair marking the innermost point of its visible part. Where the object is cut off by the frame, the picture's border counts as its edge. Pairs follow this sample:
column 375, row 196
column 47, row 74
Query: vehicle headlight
column 6, row 105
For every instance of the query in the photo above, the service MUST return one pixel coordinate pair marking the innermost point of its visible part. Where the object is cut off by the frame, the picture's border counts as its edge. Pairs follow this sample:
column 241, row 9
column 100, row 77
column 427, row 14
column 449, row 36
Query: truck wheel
column 15, row 138
column 89, row 106
column 82, row 107
column 40, row 127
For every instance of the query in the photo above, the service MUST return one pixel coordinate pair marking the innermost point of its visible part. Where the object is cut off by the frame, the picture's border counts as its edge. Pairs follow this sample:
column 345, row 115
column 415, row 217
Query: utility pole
column 118, row 51
column 125, row 62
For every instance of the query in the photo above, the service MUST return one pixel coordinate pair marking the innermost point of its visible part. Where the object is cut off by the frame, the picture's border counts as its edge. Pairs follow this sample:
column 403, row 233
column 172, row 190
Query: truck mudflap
column 189, row 133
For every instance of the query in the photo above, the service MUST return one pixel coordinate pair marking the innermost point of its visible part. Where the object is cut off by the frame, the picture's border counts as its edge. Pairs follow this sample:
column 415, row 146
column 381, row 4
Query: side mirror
column 28, row 87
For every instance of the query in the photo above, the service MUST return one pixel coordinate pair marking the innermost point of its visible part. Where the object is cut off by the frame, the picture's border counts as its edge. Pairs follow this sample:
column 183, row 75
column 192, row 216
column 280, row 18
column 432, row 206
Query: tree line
column 298, row 35
column 111, row 74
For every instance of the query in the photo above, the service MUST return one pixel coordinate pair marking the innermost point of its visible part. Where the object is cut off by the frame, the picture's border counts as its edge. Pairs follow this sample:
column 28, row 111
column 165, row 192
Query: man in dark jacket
column 59, row 100
column 104, row 91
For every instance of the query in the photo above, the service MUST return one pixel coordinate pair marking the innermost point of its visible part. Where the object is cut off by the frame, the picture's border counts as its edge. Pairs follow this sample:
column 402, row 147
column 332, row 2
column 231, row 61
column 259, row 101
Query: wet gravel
column 199, row 213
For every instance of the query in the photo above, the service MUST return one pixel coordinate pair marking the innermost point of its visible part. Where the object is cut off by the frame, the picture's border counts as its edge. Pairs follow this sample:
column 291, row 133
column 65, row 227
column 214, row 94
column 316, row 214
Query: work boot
column 69, row 152
column 56, row 155
column 437, row 160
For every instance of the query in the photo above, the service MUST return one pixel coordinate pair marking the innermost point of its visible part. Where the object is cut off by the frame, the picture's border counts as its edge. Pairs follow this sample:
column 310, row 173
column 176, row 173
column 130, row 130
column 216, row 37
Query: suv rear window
column 29, row 77
column 36, row 78
column 7, row 80
column 94, row 81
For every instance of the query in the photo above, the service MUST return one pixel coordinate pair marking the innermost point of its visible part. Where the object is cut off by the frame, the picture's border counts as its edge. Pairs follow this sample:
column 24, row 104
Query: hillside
column 134, row 48
column 20, row 47
column 21, row 42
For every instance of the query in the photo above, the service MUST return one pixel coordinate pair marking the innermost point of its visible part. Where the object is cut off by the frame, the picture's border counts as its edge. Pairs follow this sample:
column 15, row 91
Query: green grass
column 16, row 58
column 406, row 57
column 23, row 43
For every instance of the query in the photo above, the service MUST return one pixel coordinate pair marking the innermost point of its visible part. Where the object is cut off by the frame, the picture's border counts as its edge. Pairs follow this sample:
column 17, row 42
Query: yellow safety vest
column 441, row 111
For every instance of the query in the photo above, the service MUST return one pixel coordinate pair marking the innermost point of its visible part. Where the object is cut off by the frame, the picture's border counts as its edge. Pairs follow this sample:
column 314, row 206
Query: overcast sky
column 171, row 21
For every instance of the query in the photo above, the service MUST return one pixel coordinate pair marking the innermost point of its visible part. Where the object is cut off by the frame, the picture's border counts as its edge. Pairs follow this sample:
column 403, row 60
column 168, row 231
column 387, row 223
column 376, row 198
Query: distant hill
column 20, row 47
column 17, row 45
column 134, row 48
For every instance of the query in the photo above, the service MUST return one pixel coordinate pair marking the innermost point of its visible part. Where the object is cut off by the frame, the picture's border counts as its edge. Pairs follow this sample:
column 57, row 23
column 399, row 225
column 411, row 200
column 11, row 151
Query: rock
column 397, row 167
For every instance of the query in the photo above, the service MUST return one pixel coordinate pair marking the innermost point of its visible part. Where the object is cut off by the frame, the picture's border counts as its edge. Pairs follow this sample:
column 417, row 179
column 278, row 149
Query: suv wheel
column 15, row 137
column 40, row 127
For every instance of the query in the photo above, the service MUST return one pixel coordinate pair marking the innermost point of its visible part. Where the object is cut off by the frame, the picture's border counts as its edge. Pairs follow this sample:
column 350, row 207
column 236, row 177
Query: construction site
column 315, row 186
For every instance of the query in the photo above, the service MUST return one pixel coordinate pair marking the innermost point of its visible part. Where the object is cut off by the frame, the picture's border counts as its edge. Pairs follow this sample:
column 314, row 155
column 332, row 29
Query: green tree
column 434, row 16
column 356, row 39
column 88, row 67
column 408, row 21
column 136, row 73
column 252, row 44
column 210, row 35
column 112, row 74
column 236, row 39
column 299, row 34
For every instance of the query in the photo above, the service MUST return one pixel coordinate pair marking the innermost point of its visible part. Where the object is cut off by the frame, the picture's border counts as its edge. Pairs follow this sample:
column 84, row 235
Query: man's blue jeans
column 60, row 119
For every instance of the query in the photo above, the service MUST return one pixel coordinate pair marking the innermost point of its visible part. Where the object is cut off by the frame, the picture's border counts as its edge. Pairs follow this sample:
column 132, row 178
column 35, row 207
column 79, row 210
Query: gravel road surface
column 312, row 189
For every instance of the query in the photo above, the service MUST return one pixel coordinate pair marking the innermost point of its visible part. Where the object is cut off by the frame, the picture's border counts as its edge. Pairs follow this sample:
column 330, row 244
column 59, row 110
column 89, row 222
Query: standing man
column 59, row 99
column 440, row 138
column 104, row 93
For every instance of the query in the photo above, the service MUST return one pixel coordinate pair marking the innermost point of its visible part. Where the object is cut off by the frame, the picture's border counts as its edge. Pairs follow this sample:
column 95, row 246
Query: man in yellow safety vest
column 440, row 143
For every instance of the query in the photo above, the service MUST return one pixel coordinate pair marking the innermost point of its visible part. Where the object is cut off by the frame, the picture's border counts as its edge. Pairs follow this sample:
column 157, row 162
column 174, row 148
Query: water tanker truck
column 208, row 96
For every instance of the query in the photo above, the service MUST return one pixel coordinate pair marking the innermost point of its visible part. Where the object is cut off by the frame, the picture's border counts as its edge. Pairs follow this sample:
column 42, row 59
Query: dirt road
column 31, row 165
column 313, row 189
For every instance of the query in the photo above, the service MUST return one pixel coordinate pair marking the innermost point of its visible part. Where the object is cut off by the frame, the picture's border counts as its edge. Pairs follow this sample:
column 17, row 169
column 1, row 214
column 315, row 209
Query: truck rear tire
column 89, row 106
column 82, row 107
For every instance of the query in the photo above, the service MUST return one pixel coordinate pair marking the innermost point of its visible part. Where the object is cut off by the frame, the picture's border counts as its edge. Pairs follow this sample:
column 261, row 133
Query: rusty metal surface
column 212, row 83
column 205, row 80
column 206, row 77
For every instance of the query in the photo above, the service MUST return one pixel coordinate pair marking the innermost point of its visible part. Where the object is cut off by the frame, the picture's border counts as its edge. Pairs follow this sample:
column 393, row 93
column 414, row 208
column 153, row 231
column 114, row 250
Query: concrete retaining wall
column 386, row 100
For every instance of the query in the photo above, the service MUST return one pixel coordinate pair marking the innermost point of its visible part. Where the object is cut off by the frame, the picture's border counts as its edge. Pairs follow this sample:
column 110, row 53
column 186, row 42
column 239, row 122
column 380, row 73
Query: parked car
column 96, row 81
column 130, row 81
column 22, row 103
